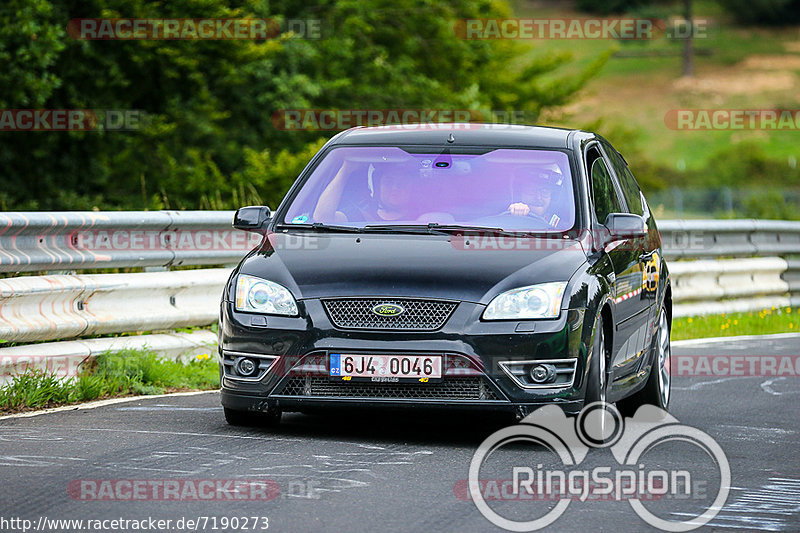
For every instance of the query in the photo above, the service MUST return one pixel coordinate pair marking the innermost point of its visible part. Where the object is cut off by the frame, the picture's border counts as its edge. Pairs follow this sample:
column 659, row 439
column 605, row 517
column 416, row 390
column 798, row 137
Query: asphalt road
column 382, row 472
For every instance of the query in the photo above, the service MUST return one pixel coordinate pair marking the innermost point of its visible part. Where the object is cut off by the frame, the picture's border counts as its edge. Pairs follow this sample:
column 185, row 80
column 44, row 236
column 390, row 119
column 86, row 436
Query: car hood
column 471, row 268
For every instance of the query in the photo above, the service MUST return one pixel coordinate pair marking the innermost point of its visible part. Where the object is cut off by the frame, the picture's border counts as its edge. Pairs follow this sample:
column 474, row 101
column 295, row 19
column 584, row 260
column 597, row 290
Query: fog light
column 246, row 367
column 542, row 373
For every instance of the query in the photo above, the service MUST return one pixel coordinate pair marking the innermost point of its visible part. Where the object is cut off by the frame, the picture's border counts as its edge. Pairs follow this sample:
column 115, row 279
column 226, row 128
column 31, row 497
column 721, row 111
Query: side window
column 605, row 197
column 630, row 190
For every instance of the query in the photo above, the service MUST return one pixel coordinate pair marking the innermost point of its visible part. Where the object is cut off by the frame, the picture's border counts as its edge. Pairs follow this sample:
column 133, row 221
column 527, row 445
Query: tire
column 597, row 381
column 596, row 427
column 657, row 390
column 251, row 418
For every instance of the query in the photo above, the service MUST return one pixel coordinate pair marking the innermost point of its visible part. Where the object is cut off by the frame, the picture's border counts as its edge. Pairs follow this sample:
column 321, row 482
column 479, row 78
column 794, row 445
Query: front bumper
column 293, row 352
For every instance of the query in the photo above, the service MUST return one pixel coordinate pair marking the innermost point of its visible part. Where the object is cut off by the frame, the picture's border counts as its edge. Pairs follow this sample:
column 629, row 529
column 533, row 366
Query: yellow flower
column 203, row 357
column 735, row 322
column 689, row 320
column 789, row 310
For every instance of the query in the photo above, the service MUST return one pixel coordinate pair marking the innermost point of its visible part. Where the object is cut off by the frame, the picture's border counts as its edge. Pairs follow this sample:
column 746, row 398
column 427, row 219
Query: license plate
column 389, row 368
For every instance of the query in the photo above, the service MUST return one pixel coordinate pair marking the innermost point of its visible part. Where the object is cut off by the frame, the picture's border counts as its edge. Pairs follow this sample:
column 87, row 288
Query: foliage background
column 210, row 143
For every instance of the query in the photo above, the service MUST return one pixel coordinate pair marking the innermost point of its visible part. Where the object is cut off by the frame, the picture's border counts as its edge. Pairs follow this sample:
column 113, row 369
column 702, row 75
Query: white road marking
column 696, row 386
column 153, row 432
column 28, row 461
column 773, row 436
column 168, row 408
column 327, row 469
column 767, row 386
column 779, row 499
column 736, row 338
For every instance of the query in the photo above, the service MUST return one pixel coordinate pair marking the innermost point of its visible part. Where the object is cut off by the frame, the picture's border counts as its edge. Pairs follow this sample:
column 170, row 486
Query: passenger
column 391, row 197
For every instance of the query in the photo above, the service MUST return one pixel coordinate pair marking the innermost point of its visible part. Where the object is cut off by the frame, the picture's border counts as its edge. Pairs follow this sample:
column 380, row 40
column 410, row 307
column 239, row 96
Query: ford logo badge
column 388, row 310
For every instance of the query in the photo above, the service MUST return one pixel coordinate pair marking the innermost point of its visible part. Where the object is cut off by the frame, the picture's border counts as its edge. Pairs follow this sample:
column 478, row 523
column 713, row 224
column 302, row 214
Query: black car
column 491, row 267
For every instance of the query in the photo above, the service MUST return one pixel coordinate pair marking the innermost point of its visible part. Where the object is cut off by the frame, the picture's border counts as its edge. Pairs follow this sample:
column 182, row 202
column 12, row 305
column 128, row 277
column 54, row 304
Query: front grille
column 466, row 388
column 420, row 315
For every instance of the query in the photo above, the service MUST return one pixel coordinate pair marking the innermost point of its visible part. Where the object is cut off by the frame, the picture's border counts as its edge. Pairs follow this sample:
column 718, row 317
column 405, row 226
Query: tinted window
column 630, row 190
column 605, row 197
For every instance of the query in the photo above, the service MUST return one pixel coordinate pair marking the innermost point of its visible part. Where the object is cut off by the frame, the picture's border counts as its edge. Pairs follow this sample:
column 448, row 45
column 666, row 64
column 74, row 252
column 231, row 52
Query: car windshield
column 512, row 189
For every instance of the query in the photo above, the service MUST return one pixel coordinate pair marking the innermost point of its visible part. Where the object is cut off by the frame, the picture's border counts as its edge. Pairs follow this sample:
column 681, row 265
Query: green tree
column 209, row 141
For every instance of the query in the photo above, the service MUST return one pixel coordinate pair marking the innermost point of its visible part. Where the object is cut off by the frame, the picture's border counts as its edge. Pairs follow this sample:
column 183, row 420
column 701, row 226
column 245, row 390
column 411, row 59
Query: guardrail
column 707, row 239
column 64, row 306
column 64, row 241
column 37, row 308
column 733, row 285
column 41, row 241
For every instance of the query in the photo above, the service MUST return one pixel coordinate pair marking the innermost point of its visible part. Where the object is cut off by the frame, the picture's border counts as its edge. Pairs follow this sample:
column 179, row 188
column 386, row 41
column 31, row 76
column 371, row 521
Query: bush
column 747, row 164
column 607, row 7
column 769, row 205
column 773, row 12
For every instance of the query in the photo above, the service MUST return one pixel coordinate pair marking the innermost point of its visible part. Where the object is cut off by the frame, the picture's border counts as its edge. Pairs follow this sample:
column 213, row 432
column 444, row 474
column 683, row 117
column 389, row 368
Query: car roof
column 464, row 134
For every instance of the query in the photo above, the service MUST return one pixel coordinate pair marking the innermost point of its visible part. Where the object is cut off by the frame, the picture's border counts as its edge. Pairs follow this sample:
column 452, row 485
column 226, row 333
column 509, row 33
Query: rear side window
column 630, row 190
column 605, row 196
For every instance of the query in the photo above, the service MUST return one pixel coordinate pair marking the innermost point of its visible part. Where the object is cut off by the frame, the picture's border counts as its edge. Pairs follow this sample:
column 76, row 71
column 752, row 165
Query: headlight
column 535, row 301
column 256, row 295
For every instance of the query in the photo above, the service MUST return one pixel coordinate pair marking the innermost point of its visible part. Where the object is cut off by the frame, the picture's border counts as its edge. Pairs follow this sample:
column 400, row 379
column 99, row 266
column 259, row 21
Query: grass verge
column 764, row 322
column 130, row 372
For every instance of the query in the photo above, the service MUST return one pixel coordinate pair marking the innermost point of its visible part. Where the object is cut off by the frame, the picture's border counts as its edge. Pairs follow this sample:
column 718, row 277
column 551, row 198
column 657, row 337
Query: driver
column 533, row 190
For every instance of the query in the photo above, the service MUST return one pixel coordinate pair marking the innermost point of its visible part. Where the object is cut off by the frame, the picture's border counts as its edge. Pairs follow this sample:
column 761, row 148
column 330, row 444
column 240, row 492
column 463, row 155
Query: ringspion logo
column 633, row 443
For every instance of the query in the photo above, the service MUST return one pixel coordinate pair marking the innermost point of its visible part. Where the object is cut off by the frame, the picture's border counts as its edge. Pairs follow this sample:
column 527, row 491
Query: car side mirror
column 623, row 226
column 251, row 218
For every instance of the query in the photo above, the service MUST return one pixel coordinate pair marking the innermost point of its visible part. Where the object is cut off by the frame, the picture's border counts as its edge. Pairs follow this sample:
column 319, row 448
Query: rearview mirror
column 251, row 218
column 623, row 226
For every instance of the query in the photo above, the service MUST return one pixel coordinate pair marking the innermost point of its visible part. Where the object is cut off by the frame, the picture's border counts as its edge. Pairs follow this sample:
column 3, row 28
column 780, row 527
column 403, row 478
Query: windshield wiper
column 407, row 228
column 444, row 229
column 430, row 228
column 319, row 226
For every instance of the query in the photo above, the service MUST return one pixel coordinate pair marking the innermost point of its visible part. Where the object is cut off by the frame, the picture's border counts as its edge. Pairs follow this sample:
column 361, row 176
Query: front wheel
column 659, row 385
column 597, row 423
column 597, row 382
